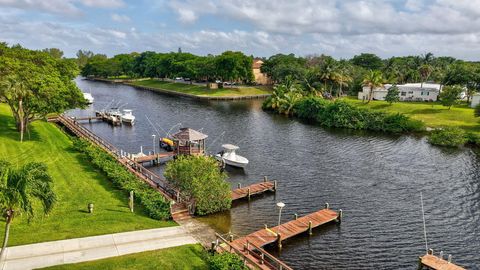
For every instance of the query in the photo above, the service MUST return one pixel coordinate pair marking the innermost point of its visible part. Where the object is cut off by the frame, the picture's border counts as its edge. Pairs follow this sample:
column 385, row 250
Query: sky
column 341, row 28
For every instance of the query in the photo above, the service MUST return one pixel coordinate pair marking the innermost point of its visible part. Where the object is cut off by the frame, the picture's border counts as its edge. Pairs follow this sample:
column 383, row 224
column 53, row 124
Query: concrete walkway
column 93, row 248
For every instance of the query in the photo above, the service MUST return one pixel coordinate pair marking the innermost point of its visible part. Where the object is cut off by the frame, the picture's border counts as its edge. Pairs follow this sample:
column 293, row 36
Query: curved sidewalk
column 93, row 248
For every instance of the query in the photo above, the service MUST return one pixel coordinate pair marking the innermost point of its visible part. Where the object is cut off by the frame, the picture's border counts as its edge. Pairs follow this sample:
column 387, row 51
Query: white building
column 408, row 92
column 475, row 100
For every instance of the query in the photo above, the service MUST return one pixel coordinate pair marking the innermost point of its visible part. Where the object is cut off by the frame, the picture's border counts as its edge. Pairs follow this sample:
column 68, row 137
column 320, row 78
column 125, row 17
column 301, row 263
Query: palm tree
column 20, row 188
column 425, row 71
column 373, row 79
column 342, row 80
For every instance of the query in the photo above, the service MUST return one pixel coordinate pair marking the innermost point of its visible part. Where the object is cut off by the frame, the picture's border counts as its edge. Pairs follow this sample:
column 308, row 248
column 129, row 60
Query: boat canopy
column 230, row 147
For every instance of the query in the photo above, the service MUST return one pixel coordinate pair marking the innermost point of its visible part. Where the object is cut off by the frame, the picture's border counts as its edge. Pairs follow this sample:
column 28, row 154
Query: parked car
column 178, row 78
column 187, row 79
column 218, row 81
column 229, row 83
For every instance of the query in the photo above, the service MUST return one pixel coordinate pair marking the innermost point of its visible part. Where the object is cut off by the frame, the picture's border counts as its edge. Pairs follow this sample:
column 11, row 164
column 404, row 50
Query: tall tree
column 368, row 61
column 83, row 57
column 21, row 191
column 54, row 52
column 373, row 80
column 35, row 84
column 449, row 95
column 425, row 71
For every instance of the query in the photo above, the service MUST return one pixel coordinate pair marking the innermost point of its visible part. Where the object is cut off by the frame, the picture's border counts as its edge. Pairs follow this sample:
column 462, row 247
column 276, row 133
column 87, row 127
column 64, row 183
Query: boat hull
column 232, row 163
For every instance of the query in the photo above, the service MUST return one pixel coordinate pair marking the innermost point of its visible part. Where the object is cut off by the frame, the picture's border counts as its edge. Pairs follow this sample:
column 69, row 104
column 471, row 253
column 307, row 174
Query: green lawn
column 76, row 184
column 203, row 90
column 433, row 114
column 183, row 257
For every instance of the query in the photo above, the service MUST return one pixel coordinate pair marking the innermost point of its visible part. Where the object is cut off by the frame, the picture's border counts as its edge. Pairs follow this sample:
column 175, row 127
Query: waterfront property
column 407, row 92
column 76, row 184
column 260, row 77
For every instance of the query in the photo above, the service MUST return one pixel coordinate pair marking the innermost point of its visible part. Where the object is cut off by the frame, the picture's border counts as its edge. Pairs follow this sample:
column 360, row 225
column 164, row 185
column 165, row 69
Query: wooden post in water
column 265, row 179
column 296, row 216
column 275, row 185
column 248, row 193
column 279, row 240
column 310, row 228
column 340, row 216
column 420, row 264
column 131, row 201
column 327, row 206
column 239, row 185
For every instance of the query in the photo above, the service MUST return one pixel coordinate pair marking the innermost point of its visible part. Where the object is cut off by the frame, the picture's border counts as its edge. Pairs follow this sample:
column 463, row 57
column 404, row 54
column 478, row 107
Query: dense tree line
column 322, row 74
column 228, row 66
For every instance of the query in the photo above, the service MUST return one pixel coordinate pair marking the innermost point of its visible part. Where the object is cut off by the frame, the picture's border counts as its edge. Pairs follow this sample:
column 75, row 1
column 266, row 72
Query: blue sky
column 262, row 28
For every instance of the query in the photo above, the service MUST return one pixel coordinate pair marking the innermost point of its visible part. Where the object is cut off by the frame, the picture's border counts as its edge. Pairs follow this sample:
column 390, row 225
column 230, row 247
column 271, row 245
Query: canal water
column 375, row 179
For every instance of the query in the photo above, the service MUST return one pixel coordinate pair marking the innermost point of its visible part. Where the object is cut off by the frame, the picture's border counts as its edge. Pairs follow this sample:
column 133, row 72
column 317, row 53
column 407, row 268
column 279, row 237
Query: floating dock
column 431, row 261
column 255, row 189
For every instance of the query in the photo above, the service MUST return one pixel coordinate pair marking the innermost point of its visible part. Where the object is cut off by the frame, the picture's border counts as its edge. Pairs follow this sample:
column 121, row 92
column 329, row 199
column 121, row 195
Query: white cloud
column 103, row 3
column 66, row 7
column 120, row 18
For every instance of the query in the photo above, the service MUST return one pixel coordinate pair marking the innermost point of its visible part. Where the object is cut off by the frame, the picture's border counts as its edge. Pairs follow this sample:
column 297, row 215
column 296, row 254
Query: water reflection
column 375, row 178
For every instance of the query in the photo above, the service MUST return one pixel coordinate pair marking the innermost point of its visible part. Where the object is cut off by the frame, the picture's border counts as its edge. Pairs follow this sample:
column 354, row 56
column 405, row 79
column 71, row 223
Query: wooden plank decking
column 288, row 230
column 254, row 189
column 154, row 157
column 251, row 246
column 433, row 262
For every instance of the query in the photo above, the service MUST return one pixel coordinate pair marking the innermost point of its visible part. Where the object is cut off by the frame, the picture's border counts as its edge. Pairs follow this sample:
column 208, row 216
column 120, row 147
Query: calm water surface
column 375, row 179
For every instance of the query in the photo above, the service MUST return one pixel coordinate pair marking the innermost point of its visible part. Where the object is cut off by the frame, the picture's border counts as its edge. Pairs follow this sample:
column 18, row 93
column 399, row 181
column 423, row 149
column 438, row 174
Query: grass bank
column 433, row 114
column 76, row 183
column 183, row 257
column 199, row 90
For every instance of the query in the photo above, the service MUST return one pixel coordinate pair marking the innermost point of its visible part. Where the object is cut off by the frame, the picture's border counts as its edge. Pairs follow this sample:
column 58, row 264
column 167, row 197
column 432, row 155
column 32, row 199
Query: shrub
column 476, row 111
column 450, row 136
column 226, row 261
column 201, row 178
column 344, row 115
column 472, row 138
column 156, row 206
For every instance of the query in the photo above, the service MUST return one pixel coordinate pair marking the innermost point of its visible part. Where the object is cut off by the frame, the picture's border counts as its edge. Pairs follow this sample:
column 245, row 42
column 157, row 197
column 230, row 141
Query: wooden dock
column 153, row 157
column 255, row 189
column 434, row 262
column 250, row 247
column 183, row 204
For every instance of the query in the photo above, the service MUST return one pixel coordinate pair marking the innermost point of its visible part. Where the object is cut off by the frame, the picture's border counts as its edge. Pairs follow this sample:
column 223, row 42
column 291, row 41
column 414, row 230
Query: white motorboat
column 88, row 97
column 128, row 117
column 231, row 158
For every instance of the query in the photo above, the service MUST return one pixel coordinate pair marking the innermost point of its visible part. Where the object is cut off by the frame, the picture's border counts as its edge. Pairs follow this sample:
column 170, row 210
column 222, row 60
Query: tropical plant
column 201, row 179
column 373, row 80
column 449, row 95
column 425, row 71
column 392, row 94
column 21, row 191
column 226, row 261
column 284, row 97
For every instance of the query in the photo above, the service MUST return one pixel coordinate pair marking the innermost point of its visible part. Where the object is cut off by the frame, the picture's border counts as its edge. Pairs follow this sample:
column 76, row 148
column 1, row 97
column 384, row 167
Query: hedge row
column 155, row 205
column 344, row 115
column 453, row 137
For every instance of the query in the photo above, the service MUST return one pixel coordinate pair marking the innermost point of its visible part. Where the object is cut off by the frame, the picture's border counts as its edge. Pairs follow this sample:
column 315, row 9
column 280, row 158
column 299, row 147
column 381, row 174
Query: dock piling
column 239, row 185
column 265, row 179
column 248, row 193
column 310, row 232
column 327, row 206
column 275, row 185
column 279, row 240
column 340, row 216
column 295, row 216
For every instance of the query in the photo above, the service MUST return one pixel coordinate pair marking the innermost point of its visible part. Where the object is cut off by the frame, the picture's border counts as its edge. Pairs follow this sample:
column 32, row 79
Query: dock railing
column 147, row 176
column 253, row 257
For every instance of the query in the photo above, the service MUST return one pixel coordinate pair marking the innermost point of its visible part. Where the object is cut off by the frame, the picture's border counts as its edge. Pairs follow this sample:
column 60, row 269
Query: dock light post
column 153, row 136
column 280, row 207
